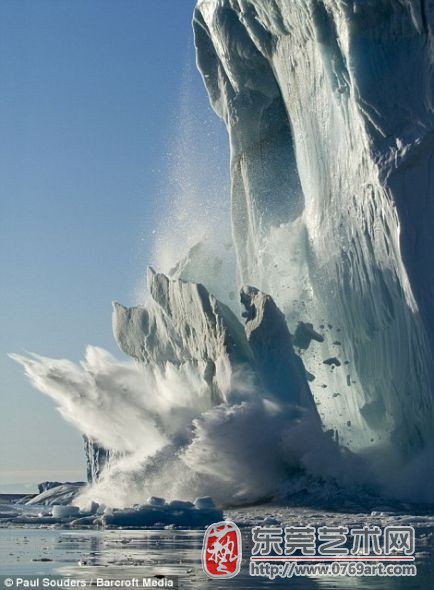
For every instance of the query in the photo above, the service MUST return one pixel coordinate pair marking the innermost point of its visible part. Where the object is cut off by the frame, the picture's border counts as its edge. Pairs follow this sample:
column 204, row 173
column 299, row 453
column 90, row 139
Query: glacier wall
column 329, row 110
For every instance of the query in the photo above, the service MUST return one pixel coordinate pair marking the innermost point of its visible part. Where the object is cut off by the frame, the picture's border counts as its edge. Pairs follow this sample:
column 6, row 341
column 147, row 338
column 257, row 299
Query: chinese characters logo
column 332, row 541
column 221, row 553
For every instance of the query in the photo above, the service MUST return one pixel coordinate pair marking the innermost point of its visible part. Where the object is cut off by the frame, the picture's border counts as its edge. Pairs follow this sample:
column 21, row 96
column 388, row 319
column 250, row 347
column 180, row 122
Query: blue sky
column 89, row 102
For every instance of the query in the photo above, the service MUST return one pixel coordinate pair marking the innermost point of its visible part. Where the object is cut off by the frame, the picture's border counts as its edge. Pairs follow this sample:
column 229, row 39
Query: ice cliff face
column 329, row 110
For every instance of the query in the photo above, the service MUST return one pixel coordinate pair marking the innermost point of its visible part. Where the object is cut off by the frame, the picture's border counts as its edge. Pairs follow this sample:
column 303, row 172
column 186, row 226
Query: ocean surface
column 125, row 553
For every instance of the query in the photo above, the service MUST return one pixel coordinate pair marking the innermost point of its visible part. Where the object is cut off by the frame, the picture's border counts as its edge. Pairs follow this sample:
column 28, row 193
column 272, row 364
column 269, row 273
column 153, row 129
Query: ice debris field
column 54, row 506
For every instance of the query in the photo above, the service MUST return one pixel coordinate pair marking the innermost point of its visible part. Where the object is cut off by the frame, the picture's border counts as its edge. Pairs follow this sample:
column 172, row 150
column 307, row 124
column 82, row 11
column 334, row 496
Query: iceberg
column 178, row 513
column 329, row 111
column 301, row 350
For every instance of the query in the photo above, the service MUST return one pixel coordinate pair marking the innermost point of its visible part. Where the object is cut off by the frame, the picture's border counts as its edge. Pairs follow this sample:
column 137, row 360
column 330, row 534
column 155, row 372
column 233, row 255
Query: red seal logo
column 221, row 553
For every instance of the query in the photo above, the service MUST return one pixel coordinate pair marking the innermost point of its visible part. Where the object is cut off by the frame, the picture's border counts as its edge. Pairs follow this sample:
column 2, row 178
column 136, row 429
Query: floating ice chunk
column 181, row 505
column 85, row 521
column 61, row 511
column 204, row 503
column 155, row 501
column 177, row 513
column 61, row 494
column 48, row 485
